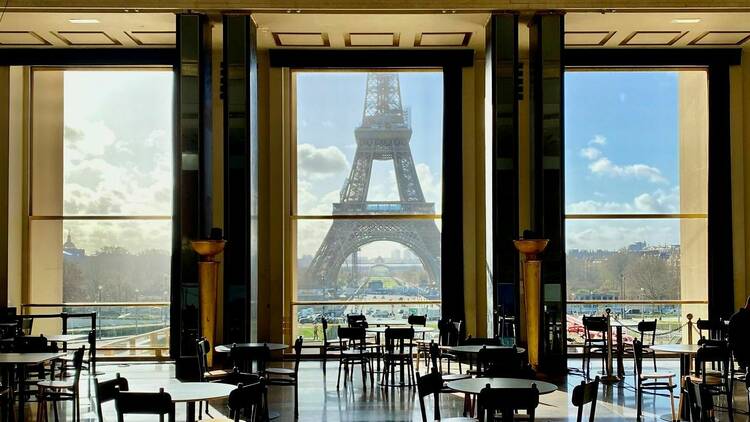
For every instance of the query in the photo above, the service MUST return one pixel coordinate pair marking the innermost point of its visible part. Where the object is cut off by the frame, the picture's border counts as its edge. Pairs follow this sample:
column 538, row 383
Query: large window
column 636, row 194
column 368, row 195
column 101, row 201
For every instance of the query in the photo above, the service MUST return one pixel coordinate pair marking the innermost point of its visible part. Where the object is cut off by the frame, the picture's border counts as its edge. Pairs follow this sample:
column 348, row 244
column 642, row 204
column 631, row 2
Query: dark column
column 548, row 211
column 501, row 150
column 240, row 93
column 192, row 190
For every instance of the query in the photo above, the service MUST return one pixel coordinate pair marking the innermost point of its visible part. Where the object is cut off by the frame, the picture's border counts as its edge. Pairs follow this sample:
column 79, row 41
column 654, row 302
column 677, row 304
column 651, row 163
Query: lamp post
column 99, row 317
column 208, row 275
column 532, row 275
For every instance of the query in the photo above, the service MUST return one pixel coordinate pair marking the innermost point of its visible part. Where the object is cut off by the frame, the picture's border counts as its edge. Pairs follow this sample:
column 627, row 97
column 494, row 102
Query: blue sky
column 621, row 156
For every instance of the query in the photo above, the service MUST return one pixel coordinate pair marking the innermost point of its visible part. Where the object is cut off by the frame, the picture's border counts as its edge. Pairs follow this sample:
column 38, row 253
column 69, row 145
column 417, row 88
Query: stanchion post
column 690, row 328
column 609, row 378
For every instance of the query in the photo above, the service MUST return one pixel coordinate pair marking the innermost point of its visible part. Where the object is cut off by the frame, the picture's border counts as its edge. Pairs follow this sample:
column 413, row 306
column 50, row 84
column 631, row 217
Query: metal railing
column 121, row 336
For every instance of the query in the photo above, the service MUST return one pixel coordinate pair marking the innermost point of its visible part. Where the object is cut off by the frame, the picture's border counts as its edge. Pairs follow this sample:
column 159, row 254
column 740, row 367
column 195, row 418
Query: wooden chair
column 432, row 384
column 131, row 403
column 434, row 354
column 328, row 346
column 89, row 361
column 286, row 376
column 354, row 351
column 356, row 321
column 62, row 390
column 106, row 391
column 584, row 394
column 502, row 363
column 206, row 374
column 645, row 327
column 449, row 335
column 712, row 329
column 506, row 401
column 399, row 351
column 653, row 381
column 246, row 402
column 243, row 358
column 593, row 326
column 6, row 404
column 700, row 402
column 715, row 382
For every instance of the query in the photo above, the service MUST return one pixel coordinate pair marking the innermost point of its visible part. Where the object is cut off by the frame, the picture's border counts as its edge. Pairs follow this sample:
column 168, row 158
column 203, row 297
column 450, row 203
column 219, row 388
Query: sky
column 329, row 107
column 117, row 154
column 621, row 156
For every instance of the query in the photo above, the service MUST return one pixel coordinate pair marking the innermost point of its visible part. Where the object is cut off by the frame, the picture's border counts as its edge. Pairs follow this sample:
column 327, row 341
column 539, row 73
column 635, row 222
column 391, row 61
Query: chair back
column 583, row 394
column 593, row 325
column 420, row 320
column 247, row 398
column 700, row 401
column 351, row 337
column 33, row 344
column 712, row 329
column 297, row 353
column 434, row 355
column 106, row 391
column 638, row 357
column 356, row 321
column 647, row 327
column 399, row 340
column 506, row 401
column 449, row 332
column 714, row 355
column 77, row 365
column 500, row 363
column 27, row 325
column 131, row 403
column 243, row 357
column 430, row 384
column 236, row 378
column 202, row 347
column 482, row 341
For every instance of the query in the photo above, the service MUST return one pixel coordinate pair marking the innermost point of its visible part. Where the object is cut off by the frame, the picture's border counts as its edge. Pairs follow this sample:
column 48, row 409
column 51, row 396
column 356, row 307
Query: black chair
column 244, row 357
column 420, row 320
column 595, row 334
column 204, row 372
column 248, row 399
column 700, row 402
column 328, row 346
column 354, row 351
column 502, row 363
column 434, row 354
column 583, row 394
column 432, row 384
column 89, row 362
column 356, row 321
column 6, row 404
column 398, row 352
column 449, row 335
column 506, row 401
column 106, row 391
column 712, row 329
column 645, row 327
column 715, row 382
column 651, row 381
column 62, row 390
column 131, row 403
column 286, row 376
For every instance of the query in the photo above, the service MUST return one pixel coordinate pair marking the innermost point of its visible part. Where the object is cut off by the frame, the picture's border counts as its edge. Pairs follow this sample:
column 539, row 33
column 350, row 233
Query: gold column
column 208, row 275
column 531, row 290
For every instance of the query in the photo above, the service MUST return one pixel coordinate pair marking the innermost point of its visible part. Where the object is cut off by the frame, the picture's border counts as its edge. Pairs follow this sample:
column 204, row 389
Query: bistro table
column 474, row 349
column 20, row 361
column 472, row 386
column 417, row 330
column 226, row 348
column 192, row 392
column 686, row 352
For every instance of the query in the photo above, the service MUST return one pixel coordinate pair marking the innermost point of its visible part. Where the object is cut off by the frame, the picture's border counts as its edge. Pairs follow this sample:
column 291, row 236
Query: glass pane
column 111, row 134
column 633, row 139
column 369, row 143
column 344, row 260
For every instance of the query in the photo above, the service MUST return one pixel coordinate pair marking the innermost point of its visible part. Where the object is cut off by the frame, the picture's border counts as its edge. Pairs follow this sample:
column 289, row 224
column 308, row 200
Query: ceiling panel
column 152, row 37
column 301, row 39
column 379, row 39
column 24, row 38
column 729, row 38
column 442, row 39
column 588, row 38
column 653, row 38
column 88, row 38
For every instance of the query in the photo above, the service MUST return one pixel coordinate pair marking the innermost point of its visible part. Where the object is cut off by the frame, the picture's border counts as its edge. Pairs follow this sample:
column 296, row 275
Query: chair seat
column 455, row 377
column 280, row 371
column 655, row 375
column 351, row 352
column 216, row 373
column 55, row 384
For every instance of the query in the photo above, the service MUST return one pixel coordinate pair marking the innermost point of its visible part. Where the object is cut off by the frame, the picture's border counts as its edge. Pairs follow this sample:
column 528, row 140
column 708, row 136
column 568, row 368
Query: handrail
column 364, row 302
column 92, row 304
column 638, row 302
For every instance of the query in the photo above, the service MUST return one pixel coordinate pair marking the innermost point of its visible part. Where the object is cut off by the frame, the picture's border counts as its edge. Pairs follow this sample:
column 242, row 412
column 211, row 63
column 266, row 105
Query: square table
column 21, row 361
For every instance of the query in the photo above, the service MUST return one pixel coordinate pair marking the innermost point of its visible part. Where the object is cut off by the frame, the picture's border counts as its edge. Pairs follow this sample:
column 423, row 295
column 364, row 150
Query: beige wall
column 740, row 132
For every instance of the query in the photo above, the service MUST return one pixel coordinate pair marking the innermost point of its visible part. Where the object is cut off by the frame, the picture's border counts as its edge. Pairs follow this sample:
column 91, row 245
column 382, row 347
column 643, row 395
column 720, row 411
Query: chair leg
column 654, row 357
column 338, row 379
column 639, row 399
column 296, row 401
column 671, row 400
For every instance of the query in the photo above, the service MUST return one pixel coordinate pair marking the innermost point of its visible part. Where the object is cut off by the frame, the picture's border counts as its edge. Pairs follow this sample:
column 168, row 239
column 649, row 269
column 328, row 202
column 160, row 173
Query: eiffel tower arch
column 384, row 135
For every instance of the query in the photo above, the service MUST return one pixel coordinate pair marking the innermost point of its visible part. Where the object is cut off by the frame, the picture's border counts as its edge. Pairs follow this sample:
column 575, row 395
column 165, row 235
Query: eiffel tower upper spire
column 383, row 102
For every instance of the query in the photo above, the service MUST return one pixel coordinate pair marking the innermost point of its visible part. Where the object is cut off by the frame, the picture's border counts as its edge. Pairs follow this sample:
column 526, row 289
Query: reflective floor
column 320, row 401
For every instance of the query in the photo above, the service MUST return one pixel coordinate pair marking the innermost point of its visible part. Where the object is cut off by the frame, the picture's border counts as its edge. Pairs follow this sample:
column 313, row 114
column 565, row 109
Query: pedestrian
column 315, row 331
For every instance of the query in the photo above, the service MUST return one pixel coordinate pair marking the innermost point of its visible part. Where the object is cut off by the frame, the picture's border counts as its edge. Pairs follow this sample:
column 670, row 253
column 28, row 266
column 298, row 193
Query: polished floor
column 320, row 400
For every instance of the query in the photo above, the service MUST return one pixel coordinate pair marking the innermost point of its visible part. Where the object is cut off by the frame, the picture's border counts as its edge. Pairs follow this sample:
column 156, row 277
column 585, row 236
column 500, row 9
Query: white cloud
column 317, row 163
column 598, row 140
column 639, row 171
column 590, row 153
column 614, row 235
column 658, row 201
column 432, row 186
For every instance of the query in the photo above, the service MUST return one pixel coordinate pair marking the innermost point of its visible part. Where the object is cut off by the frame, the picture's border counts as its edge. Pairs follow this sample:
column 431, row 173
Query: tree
column 653, row 277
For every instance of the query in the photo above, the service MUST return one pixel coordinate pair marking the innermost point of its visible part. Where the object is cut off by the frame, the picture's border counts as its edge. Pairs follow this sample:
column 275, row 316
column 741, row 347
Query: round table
column 476, row 348
column 417, row 330
column 191, row 392
column 226, row 348
column 475, row 385
column 685, row 351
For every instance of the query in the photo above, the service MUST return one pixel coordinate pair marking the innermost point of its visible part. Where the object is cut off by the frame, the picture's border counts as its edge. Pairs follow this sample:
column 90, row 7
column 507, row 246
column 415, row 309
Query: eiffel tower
column 384, row 135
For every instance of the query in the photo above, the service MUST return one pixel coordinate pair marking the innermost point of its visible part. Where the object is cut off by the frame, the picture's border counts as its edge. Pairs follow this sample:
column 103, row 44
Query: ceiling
column 405, row 31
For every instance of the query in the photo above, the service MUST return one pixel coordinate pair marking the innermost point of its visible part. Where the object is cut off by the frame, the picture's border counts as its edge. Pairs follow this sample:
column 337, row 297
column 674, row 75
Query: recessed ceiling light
column 686, row 20
column 83, row 20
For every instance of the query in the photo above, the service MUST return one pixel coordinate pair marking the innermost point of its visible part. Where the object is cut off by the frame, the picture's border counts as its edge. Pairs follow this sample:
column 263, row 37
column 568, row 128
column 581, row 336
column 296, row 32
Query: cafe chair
column 356, row 321
column 398, row 352
column 502, row 363
column 287, row 376
column 449, row 334
column 432, row 385
column 328, row 346
column 244, row 358
column 595, row 335
column 648, row 328
column 105, row 392
column 712, row 329
column 652, row 381
column 131, row 403
column 715, row 382
column 62, row 390
column 89, row 361
column 584, row 394
column 246, row 403
column 206, row 374
column 354, row 351
column 423, row 346
column 700, row 401
column 6, row 404
column 434, row 354
column 506, row 401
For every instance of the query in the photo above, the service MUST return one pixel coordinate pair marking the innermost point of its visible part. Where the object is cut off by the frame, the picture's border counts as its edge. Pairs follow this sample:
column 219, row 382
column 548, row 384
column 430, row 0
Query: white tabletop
column 28, row 358
column 226, row 348
column 67, row 337
column 690, row 349
column 475, row 385
column 477, row 348
column 418, row 329
column 196, row 391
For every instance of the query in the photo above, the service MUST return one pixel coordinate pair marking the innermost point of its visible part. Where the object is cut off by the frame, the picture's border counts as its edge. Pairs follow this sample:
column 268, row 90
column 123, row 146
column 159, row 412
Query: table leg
column 620, row 350
column 21, row 392
column 190, row 411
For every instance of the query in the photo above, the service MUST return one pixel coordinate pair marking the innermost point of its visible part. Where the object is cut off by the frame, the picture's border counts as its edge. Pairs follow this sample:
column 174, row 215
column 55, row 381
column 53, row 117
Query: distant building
column 69, row 248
